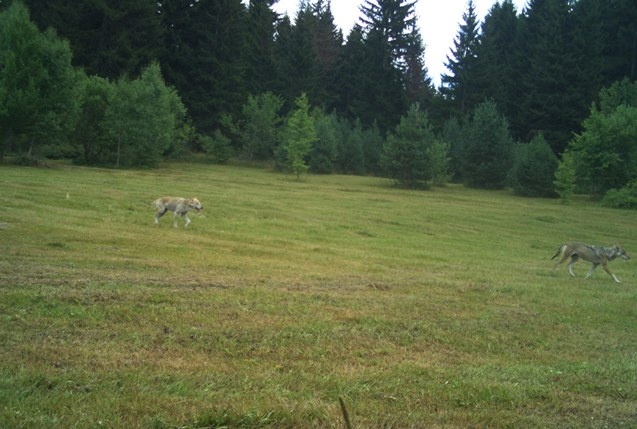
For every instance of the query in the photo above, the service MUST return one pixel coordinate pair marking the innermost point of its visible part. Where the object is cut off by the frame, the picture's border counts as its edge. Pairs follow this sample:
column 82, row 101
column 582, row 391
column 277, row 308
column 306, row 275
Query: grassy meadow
column 420, row 309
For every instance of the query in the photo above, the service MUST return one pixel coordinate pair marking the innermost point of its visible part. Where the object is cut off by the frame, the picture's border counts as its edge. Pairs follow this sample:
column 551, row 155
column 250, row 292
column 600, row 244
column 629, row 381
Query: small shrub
column 624, row 198
column 218, row 147
column 534, row 169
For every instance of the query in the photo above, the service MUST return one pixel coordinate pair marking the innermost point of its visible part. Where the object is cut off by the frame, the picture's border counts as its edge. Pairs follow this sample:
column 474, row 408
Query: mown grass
column 419, row 308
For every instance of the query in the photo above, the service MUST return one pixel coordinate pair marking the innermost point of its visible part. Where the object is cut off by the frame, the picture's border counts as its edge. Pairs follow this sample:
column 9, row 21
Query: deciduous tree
column 38, row 103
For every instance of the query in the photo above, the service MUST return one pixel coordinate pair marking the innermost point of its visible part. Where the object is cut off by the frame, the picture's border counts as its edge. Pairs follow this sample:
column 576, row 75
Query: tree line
column 135, row 81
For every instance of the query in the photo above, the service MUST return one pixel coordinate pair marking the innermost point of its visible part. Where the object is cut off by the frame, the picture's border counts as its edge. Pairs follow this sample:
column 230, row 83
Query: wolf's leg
column 159, row 214
column 175, row 220
column 186, row 219
column 574, row 259
column 590, row 272
column 605, row 266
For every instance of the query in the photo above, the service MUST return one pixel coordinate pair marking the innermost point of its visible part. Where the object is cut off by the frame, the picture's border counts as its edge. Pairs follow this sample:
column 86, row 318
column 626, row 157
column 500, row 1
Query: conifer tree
column 108, row 38
column 534, row 169
column 260, row 74
column 204, row 58
column 459, row 87
column 413, row 156
column 387, row 33
column 497, row 64
column 487, row 155
column 299, row 135
column 550, row 102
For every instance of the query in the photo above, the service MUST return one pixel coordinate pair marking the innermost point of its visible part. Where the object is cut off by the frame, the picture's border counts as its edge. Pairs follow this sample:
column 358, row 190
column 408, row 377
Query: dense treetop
column 542, row 67
column 226, row 77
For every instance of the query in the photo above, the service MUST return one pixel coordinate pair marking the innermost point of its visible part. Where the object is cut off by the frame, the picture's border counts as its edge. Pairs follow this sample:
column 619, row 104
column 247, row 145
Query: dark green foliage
column 459, row 86
column 412, row 155
column 373, row 143
column 90, row 134
column 38, row 96
column 260, row 128
column 260, row 74
column 543, row 68
column 454, row 134
column 108, row 38
column 325, row 148
column 297, row 62
column 624, row 198
column 487, row 156
column 551, row 103
column 203, row 58
column 141, row 121
column 605, row 154
column 620, row 36
column 218, row 147
column 390, row 31
column 565, row 177
column 351, row 155
column 299, row 134
column 498, row 59
column 534, row 169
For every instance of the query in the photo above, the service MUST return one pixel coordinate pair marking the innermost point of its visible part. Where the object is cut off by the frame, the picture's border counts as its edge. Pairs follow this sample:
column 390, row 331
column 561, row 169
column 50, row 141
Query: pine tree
column 497, row 65
column 550, row 102
column 487, row 155
column 204, row 57
column 110, row 39
column 619, row 19
column 298, row 65
column 299, row 135
column 259, row 135
column 534, row 169
column 260, row 74
column 412, row 155
column 459, row 87
column 418, row 85
column 351, row 75
column 388, row 33
column 328, row 43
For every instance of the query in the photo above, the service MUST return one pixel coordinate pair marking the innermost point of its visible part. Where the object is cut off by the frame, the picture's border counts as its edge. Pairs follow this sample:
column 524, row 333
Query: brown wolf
column 594, row 254
column 179, row 207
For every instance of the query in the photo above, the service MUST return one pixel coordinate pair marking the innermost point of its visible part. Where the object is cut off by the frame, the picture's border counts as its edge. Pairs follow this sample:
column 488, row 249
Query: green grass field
column 422, row 309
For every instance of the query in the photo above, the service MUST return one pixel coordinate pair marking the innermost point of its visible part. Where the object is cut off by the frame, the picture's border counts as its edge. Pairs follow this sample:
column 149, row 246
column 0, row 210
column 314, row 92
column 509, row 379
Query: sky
column 439, row 22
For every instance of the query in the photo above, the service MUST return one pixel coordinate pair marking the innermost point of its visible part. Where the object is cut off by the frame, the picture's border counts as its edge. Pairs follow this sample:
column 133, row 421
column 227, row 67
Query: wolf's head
column 620, row 252
column 195, row 204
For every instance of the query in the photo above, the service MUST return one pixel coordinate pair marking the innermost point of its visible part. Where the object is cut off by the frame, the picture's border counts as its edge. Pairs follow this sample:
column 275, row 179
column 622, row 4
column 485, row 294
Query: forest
column 543, row 101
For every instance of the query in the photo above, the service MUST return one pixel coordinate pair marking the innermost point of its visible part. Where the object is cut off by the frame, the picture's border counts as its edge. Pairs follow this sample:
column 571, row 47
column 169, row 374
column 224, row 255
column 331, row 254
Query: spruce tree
column 110, row 39
column 298, row 136
column 204, row 58
column 550, row 101
column 497, row 64
column 487, row 155
column 260, row 74
column 413, row 156
column 459, row 87
column 534, row 169
column 388, row 32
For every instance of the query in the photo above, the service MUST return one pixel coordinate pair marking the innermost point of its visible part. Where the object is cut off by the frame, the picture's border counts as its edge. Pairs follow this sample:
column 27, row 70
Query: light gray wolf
column 594, row 254
column 179, row 207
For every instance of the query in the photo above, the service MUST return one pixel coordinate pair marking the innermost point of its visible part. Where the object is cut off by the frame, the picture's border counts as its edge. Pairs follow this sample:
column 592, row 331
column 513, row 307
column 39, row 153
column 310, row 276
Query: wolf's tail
column 559, row 249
